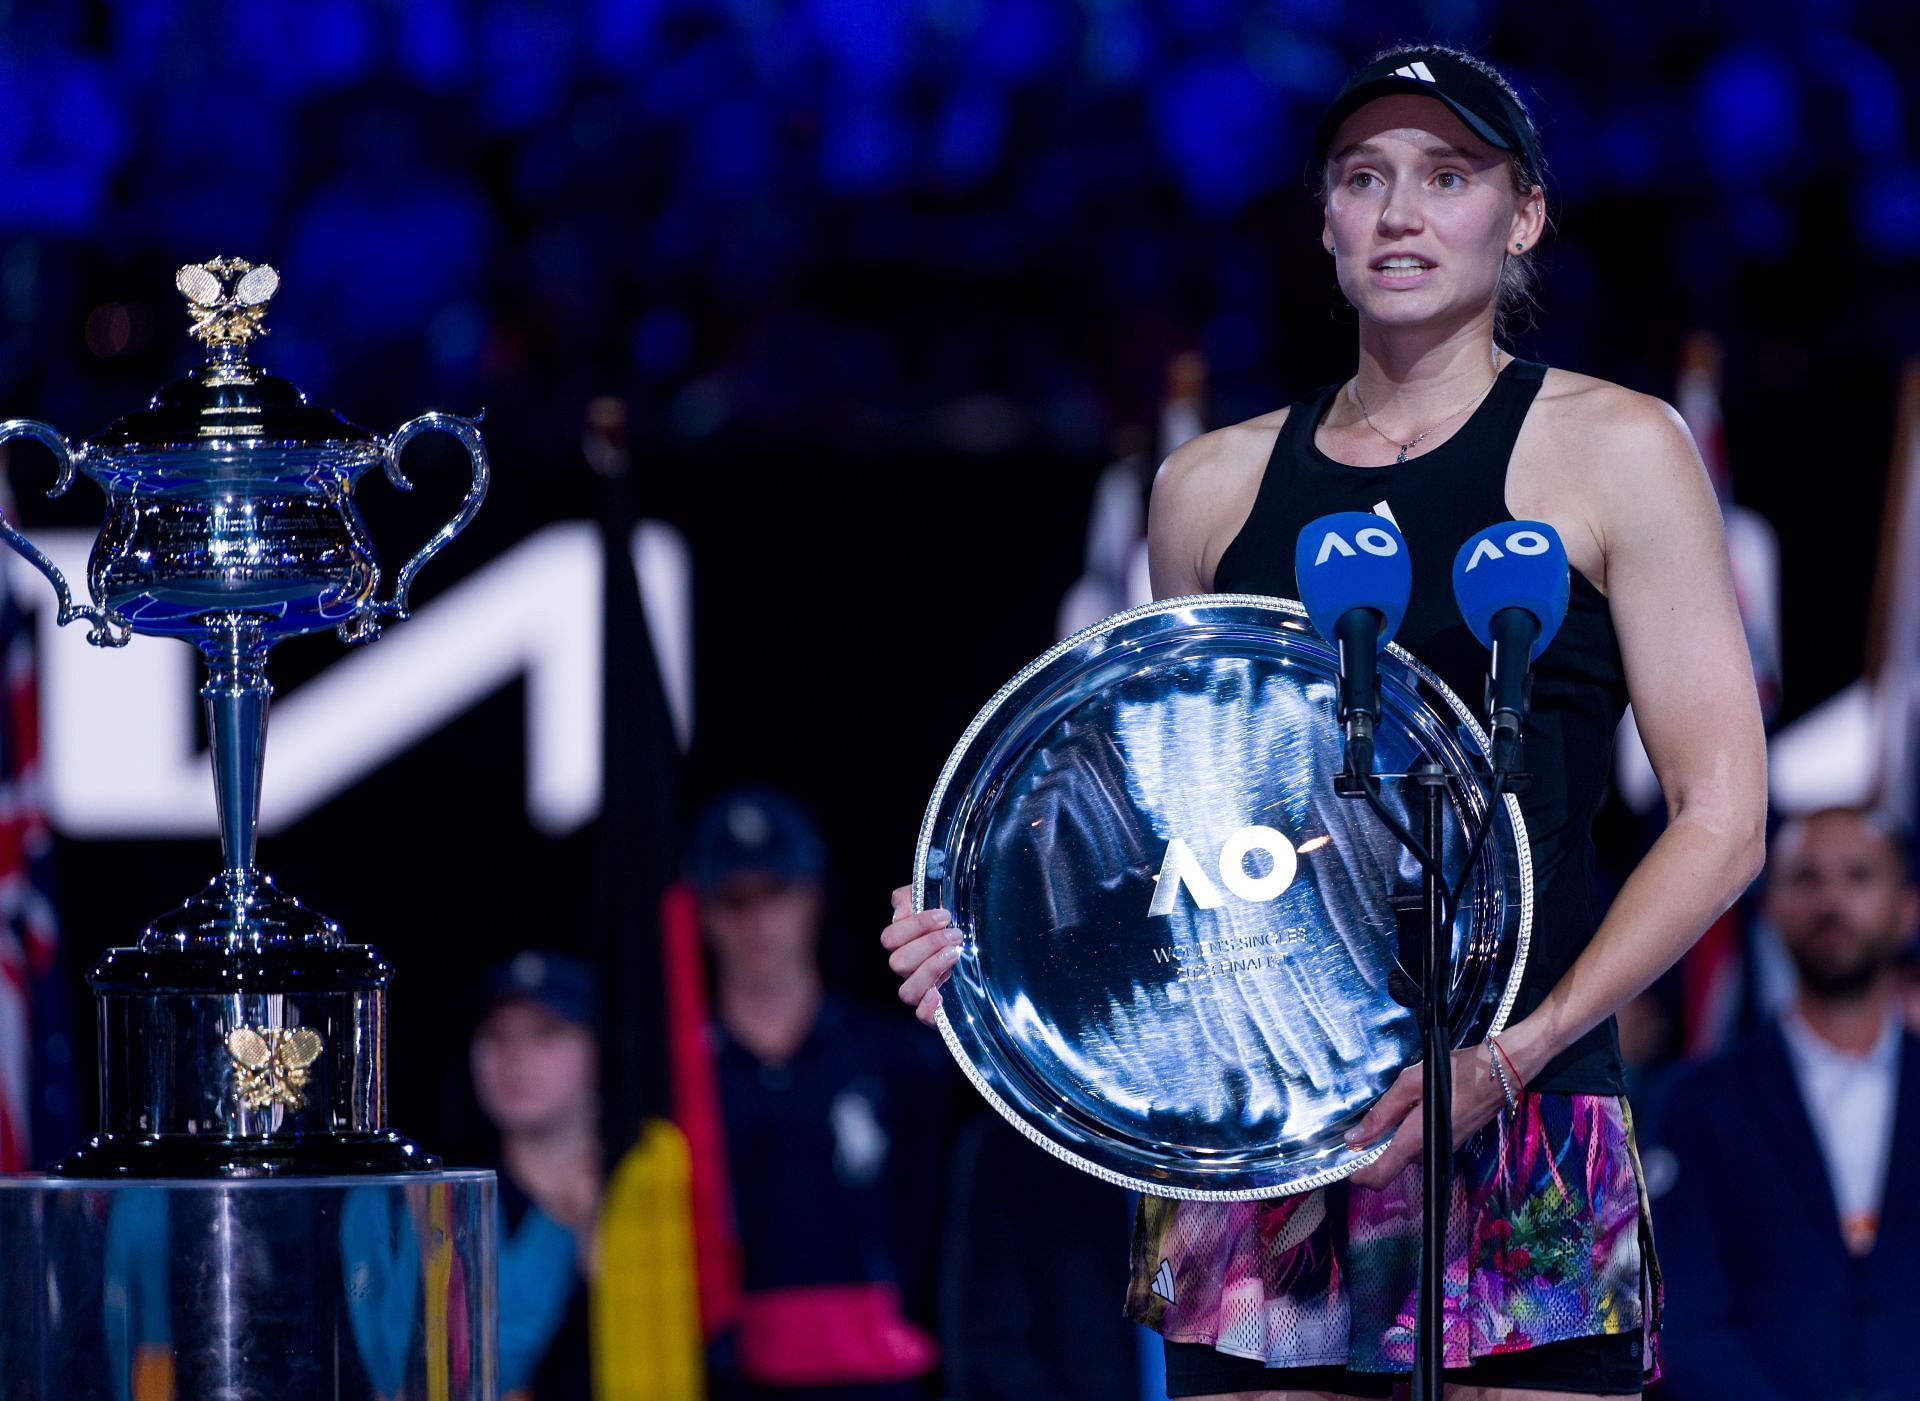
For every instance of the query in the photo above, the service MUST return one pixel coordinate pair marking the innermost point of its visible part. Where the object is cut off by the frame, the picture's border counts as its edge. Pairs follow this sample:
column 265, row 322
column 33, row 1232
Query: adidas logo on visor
column 1416, row 70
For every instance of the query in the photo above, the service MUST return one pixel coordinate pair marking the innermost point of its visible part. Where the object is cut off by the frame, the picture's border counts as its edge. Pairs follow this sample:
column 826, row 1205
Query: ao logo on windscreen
column 1372, row 539
column 1181, row 870
column 1521, row 542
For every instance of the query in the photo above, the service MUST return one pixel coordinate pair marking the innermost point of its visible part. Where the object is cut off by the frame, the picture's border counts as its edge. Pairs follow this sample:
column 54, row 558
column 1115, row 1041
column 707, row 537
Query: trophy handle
column 107, row 628
column 364, row 624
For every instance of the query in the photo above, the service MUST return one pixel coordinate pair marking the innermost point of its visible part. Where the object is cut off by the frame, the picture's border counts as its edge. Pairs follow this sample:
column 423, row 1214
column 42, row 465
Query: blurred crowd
column 892, row 1239
column 974, row 221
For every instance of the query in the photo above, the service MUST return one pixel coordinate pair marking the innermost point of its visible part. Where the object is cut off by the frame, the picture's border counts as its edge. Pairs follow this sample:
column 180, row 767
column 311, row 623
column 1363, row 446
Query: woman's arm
column 1690, row 681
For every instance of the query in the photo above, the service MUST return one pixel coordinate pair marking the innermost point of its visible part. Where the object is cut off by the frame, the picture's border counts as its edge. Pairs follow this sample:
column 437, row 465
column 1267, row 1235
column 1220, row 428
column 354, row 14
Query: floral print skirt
column 1548, row 1239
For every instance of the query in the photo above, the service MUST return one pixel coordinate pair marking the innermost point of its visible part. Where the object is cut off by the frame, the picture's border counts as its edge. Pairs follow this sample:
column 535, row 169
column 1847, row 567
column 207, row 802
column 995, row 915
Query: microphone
column 1354, row 578
column 1511, row 582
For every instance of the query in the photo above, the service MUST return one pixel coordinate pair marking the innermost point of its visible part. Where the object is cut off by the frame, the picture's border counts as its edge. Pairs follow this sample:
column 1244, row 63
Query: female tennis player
column 1434, row 209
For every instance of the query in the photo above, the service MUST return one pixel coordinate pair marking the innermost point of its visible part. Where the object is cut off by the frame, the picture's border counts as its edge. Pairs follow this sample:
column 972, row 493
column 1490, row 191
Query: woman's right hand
column 921, row 949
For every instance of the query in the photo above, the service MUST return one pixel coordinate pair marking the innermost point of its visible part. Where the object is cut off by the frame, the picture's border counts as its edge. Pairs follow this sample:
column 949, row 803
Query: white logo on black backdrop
column 115, row 768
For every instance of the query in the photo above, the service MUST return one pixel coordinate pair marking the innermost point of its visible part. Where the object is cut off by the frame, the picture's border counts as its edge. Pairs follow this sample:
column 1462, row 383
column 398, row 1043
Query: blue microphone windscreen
column 1517, row 564
column 1353, row 560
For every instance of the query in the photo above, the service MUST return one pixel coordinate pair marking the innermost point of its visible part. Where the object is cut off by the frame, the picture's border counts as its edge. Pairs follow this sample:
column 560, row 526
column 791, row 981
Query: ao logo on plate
column 1180, row 868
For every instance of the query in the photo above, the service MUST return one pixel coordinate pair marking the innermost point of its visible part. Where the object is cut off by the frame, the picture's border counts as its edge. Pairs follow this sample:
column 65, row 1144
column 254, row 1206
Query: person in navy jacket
column 1790, row 1218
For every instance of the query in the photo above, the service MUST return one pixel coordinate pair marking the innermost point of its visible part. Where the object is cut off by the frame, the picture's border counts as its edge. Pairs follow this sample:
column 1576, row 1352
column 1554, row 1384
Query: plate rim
column 1159, row 607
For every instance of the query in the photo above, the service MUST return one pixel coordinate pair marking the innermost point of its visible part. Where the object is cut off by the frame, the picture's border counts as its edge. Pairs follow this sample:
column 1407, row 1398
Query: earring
column 1518, row 246
column 1333, row 250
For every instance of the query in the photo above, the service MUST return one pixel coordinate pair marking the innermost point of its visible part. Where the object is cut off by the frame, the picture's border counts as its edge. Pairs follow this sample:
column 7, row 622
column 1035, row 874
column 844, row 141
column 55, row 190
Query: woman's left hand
column 1476, row 1099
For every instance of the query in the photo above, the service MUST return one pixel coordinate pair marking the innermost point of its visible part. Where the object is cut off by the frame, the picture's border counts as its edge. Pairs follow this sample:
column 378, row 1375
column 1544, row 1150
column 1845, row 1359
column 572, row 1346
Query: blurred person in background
column 1907, row 980
column 1791, row 1226
column 535, row 1061
column 1649, row 1044
column 834, row 1119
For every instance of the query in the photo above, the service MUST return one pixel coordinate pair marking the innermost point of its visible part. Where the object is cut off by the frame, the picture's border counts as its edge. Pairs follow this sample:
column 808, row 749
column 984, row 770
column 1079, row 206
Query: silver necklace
column 1353, row 388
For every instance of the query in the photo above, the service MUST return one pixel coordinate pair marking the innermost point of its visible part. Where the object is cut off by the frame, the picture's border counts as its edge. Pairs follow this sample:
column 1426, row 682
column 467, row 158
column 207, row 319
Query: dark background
column 880, row 280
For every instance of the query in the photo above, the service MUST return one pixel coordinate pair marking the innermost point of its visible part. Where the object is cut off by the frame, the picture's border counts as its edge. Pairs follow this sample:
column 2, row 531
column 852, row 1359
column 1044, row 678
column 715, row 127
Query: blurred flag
column 1862, row 744
column 1893, row 635
column 696, row 1110
column 37, row 1113
column 659, row 1259
column 1752, row 545
column 1116, row 569
column 1712, row 973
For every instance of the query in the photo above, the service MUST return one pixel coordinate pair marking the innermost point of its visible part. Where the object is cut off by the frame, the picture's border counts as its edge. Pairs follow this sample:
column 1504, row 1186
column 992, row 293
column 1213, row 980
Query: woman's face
column 533, row 1070
column 1420, row 213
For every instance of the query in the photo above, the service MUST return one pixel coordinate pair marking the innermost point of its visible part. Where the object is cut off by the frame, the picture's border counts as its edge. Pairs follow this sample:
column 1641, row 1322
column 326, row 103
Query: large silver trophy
column 245, row 1224
column 241, row 1036
column 1185, row 963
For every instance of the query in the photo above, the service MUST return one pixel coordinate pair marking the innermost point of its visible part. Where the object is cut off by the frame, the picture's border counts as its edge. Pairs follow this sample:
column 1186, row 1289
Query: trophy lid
column 229, row 400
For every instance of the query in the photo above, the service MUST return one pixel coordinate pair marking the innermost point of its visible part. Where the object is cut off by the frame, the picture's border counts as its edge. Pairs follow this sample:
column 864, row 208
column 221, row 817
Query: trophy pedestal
column 242, row 1062
column 357, row 1288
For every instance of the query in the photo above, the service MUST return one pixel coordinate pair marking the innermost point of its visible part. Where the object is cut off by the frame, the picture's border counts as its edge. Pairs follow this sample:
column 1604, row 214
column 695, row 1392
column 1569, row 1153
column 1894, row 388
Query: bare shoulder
column 1618, row 437
column 1222, row 459
column 1202, row 496
column 1596, row 460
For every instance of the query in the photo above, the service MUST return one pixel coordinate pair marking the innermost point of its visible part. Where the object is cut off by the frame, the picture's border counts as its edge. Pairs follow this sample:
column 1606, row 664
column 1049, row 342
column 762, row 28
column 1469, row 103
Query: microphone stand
column 1438, row 901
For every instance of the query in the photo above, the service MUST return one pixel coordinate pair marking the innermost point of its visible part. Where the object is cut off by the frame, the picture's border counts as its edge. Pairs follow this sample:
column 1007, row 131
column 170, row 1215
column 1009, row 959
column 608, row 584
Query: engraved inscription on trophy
column 1245, row 953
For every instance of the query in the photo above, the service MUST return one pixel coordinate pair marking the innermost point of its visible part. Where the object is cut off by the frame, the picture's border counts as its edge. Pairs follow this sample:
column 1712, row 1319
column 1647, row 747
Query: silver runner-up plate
column 1177, row 937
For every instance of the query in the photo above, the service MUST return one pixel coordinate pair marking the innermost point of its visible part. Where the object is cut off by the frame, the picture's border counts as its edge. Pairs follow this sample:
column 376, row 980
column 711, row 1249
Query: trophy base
column 239, row 909
column 219, row 1061
column 190, row 1156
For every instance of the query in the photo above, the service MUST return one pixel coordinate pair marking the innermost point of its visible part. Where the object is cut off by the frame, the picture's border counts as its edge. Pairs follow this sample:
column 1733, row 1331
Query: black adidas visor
column 1471, row 95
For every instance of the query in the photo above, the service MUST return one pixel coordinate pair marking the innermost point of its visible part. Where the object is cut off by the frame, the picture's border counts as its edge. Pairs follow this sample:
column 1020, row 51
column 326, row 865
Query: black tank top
column 1579, row 687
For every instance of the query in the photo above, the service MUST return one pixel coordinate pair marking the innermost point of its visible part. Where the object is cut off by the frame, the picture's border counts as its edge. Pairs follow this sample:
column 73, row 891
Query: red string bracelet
column 1512, row 1069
